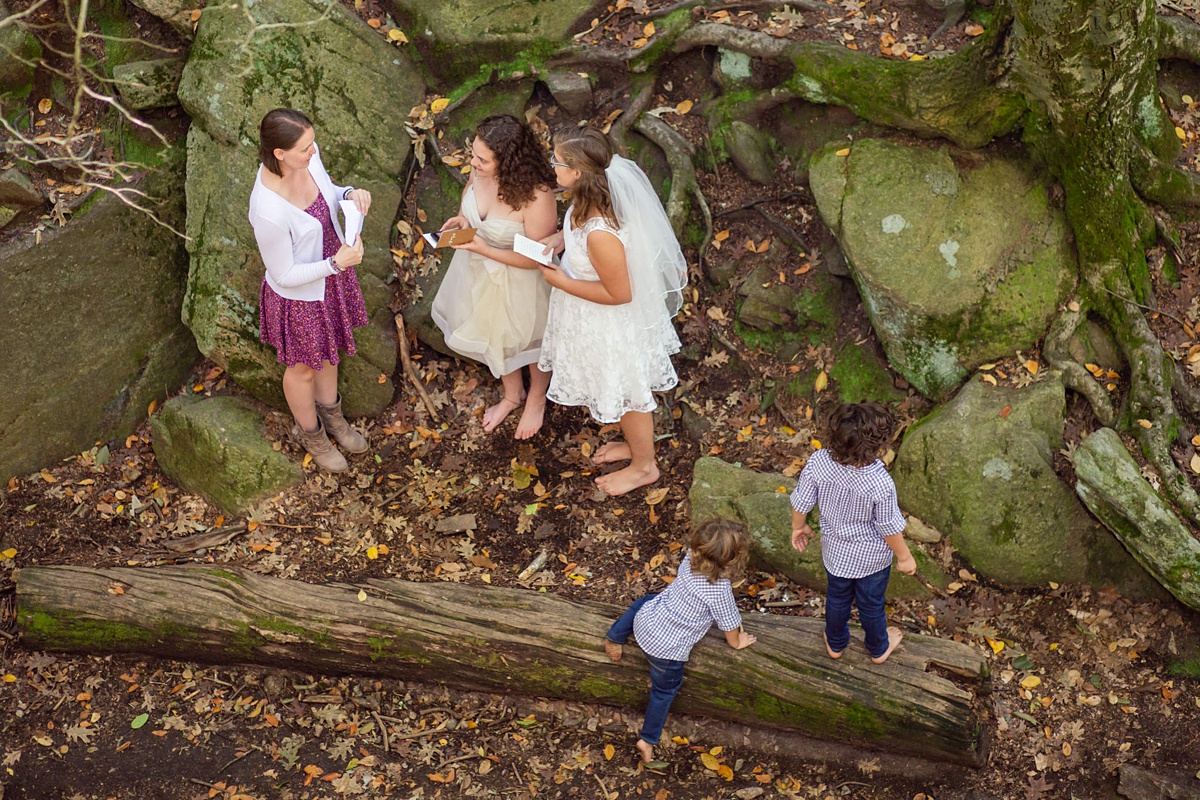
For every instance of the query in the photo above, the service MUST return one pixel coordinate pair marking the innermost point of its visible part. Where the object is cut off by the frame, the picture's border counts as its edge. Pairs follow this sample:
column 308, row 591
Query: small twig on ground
column 387, row 747
column 457, row 759
column 205, row 783
column 290, row 527
column 411, row 371
column 785, row 603
column 538, row 562
column 235, row 759
column 603, row 788
column 758, row 202
column 1144, row 308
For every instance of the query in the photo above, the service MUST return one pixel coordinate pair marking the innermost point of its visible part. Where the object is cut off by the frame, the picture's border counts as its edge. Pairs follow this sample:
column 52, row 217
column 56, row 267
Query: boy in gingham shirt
column 861, row 526
column 667, row 625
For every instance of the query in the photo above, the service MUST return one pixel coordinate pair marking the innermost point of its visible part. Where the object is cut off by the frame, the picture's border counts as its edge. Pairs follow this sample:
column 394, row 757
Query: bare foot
column 613, row 451
column 612, row 650
column 497, row 413
column 646, row 751
column 626, row 480
column 894, row 637
column 531, row 418
column 829, row 649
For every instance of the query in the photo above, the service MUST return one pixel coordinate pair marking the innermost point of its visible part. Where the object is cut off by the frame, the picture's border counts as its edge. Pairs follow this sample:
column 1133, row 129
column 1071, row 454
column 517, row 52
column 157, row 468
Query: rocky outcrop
column 91, row 331
column 357, row 88
column 148, row 84
column 216, row 447
column 980, row 469
column 1111, row 484
column 959, row 258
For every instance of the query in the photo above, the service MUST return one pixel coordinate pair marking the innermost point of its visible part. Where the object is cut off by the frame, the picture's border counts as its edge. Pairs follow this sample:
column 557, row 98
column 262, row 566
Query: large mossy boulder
column 1109, row 481
column 216, row 447
column 357, row 89
column 980, row 469
column 959, row 257
column 460, row 40
column 760, row 500
column 91, row 333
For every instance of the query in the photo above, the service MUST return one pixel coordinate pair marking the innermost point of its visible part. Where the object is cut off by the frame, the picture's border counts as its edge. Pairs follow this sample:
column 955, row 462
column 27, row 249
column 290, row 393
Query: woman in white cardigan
column 310, row 301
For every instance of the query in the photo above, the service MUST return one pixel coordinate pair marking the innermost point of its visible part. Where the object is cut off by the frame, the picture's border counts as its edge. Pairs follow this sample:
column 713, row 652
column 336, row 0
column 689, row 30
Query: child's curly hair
column 522, row 164
column 719, row 549
column 858, row 433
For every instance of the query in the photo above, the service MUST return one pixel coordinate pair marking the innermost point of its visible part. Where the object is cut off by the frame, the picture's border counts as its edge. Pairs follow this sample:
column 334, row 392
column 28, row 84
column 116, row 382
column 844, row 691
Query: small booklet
column 354, row 221
column 450, row 237
column 533, row 249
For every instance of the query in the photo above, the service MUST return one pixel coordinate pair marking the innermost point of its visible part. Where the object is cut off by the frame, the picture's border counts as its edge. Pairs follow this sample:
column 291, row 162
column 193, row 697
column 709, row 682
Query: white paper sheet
column 531, row 248
column 354, row 221
column 430, row 239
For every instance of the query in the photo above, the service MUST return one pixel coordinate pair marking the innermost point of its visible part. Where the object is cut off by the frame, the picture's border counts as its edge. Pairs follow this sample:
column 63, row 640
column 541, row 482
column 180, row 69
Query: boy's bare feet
column 612, row 650
column 531, row 418
column 613, row 451
column 830, row 650
column 497, row 413
column 646, row 751
column 626, row 480
column 894, row 637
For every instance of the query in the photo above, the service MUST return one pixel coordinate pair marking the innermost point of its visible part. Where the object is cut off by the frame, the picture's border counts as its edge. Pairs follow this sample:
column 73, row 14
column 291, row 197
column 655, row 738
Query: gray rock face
column 356, row 88
column 216, row 447
column 17, row 192
column 980, row 470
column 18, row 55
column 149, row 84
column 91, row 331
column 571, row 90
column 176, row 12
column 956, row 265
column 760, row 500
column 1112, row 486
column 750, row 151
column 459, row 40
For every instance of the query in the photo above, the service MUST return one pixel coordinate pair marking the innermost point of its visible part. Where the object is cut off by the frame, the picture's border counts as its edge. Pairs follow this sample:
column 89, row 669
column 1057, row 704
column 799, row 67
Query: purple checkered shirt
column 670, row 623
column 858, row 508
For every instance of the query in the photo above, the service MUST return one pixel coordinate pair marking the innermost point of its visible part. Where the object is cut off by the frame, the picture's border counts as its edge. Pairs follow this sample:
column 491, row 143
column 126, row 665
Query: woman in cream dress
column 492, row 303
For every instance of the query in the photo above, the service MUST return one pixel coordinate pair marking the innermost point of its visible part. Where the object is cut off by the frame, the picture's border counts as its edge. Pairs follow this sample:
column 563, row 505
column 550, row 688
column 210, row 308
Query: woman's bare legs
column 304, row 387
column 514, row 394
column 638, row 427
column 325, row 382
column 535, row 404
column 299, row 389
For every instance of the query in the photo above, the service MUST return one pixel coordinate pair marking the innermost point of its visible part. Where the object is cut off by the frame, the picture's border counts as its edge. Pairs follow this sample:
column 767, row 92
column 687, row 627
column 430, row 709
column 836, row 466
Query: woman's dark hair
column 521, row 163
column 588, row 150
column 858, row 432
column 280, row 129
column 719, row 549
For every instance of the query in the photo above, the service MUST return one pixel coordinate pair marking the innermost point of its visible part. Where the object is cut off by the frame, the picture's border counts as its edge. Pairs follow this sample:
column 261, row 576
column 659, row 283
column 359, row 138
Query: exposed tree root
column 1159, row 182
column 621, row 127
column 684, row 185
column 1074, row 375
column 956, row 98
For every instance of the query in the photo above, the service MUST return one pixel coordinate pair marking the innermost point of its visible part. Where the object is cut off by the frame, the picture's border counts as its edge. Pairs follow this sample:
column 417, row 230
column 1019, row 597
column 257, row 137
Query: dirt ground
column 1085, row 681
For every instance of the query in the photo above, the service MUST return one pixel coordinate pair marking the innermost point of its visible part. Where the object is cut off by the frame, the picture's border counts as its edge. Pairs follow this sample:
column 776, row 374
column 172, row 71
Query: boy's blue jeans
column 869, row 595
column 666, row 676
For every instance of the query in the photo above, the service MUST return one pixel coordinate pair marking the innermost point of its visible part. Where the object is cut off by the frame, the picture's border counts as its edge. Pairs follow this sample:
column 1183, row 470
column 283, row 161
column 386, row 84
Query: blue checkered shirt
column 858, row 508
column 670, row 623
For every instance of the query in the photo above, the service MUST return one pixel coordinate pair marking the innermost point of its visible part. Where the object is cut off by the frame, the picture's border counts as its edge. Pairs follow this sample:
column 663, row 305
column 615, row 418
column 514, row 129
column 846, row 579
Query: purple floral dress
column 310, row 331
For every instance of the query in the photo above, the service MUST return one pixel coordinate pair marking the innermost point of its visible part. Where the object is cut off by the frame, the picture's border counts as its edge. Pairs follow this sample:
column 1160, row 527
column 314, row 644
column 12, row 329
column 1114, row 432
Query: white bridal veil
column 657, row 270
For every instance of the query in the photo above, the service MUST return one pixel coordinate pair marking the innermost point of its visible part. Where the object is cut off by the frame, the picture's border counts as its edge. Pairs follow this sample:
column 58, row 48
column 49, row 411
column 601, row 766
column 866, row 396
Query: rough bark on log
column 507, row 640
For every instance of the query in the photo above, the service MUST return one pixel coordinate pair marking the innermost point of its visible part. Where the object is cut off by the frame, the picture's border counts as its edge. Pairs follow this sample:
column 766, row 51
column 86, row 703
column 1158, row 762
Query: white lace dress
column 489, row 311
column 600, row 357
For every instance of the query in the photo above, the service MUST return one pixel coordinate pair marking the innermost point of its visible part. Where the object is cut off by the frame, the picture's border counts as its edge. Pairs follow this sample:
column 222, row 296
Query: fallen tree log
column 507, row 640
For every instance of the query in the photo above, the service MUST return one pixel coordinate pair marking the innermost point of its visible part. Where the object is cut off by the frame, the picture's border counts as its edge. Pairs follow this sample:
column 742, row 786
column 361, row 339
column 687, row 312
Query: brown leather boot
column 351, row 440
column 320, row 448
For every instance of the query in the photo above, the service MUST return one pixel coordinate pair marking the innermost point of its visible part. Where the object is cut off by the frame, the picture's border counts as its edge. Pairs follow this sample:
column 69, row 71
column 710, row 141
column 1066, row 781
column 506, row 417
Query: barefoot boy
column 861, row 526
column 667, row 625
